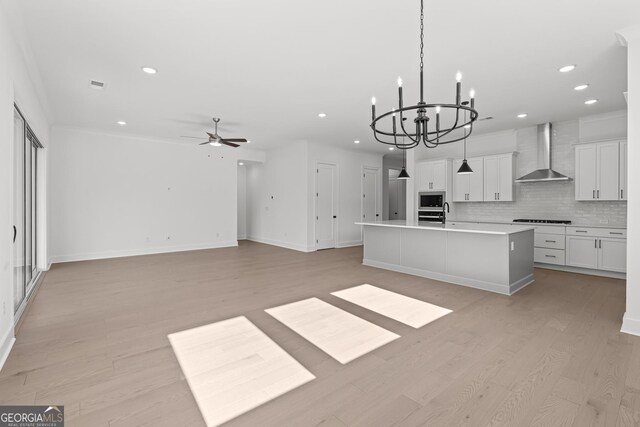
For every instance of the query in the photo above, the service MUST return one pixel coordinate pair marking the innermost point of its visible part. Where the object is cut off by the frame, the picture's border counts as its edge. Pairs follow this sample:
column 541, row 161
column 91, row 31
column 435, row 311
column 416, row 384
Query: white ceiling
column 267, row 68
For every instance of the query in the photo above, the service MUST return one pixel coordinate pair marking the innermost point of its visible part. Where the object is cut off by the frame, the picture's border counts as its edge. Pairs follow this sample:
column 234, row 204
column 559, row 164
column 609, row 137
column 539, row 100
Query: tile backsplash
column 546, row 200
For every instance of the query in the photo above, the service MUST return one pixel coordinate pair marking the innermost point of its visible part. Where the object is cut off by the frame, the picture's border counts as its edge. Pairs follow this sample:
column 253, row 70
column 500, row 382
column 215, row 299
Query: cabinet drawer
column 548, row 256
column 597, row 232
column 550, row 229
column 551, row 241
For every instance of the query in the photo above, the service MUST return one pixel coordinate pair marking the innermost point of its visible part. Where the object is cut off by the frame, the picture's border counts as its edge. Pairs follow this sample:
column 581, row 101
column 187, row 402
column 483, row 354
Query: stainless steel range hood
column 544, row 173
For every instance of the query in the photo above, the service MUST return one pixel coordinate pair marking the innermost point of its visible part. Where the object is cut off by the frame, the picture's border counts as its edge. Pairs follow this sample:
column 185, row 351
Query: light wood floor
column 95, row 340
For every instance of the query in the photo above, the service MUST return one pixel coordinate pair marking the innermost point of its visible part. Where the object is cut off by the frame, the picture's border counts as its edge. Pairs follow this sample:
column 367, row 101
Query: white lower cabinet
column 612, row 254
column 601, row 253
column 582, row 251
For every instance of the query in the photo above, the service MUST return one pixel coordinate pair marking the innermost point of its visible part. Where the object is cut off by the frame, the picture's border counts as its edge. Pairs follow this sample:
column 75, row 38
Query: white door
column 582, row 251
column 491, row 178
column 461, row 185
column 505, row 178
column 326, row 205
column 394, row 194
column 612, row 255
column 476, row 180
column 370, row 195
column 608, row 171
column 424, row 177
column 623, row 170
column 586, row 177
column 438, row 175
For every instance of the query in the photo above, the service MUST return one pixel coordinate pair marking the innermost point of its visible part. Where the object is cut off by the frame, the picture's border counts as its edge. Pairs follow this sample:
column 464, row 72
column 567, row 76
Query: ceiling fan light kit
column 216, row 141
column 458, row 126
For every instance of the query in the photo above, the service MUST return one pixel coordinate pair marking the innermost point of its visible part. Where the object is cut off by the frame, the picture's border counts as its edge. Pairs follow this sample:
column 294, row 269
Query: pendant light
column 465, row 169
column 403, row 173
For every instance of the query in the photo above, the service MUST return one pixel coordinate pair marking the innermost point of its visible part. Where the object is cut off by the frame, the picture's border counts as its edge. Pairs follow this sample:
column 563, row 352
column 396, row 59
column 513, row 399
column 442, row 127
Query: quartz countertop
column 482, row 228
column 467, row 221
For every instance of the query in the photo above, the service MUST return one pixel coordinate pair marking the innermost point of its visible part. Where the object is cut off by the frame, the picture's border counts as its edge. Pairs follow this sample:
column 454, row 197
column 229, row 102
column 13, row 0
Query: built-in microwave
column 430, row 201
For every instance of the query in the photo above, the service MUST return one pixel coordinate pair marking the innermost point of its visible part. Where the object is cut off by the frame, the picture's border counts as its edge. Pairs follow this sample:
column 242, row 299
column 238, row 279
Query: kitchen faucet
column 444, row 214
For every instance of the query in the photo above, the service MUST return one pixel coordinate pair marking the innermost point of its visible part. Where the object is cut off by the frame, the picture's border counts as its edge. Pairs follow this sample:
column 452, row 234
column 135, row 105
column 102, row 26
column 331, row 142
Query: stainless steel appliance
column 431, row 201
column 430, row 216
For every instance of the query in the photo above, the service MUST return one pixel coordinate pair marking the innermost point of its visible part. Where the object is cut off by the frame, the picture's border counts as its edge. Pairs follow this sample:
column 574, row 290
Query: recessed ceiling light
column 390, row 148
column 322, row 115
column 567, row 68
column 591, row 101
column 149, row 70
column 581, row 87
column 356, row 142
column 241, row 164
column 122, row 123
column 522, row 115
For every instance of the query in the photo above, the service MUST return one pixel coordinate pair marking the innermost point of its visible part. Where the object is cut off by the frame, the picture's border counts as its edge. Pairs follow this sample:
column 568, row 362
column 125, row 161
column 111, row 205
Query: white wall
column 19, row 83
column 350, row 164
column 277, row 198
column 631, row 323
column 242, row 202
column 114, row 195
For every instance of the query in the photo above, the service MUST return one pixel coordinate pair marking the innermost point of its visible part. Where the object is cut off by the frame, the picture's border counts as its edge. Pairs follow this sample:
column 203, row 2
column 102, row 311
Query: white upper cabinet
column 498, row 178
column 432, row 175
column 623, row 170
column 600, row 174
column 469, row 187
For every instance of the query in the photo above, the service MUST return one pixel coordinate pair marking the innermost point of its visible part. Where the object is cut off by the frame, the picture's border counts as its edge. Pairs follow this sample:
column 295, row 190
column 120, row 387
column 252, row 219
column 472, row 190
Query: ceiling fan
column 216, row 140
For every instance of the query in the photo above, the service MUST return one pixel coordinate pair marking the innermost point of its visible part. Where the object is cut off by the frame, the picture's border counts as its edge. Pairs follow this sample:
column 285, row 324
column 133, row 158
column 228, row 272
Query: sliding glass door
column 25, row 209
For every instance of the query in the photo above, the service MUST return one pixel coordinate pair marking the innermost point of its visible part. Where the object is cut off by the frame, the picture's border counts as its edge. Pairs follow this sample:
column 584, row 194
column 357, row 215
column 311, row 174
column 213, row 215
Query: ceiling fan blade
column 211, row 135
column 235, row 139
column 205, row 143
column 230, row 144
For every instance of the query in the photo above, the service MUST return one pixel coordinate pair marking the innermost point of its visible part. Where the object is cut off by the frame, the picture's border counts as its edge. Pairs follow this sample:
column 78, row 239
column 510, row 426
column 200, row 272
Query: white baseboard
column 138, row 252
column 579, row 270
column 350, row 244
column 499, row 288
column 286, row 245
column 5, row 346
column 630, row 326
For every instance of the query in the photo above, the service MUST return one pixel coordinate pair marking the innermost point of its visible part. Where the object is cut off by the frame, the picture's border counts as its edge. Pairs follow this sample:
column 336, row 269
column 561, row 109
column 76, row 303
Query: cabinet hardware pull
column 594, row 194
column 581, row 231
column 622, row 194
column 550, row 241
column 15, row 233
column 598, row 193
column 600, row 244
column 550, row 256
column 596, row 243
column 615, row 232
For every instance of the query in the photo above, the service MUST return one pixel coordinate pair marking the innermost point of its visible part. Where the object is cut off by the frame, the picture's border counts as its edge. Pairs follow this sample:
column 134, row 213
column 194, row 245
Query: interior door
column 370, row 195
column 608, row 171
column 326, row 206
column 393, row 198
column 586, row 172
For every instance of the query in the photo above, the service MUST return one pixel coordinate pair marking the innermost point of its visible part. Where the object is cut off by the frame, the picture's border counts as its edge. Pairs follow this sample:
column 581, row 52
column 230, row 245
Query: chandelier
column 450, row 122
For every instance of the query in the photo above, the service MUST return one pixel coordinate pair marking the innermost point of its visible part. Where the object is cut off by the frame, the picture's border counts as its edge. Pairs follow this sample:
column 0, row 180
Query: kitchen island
column 492, row 257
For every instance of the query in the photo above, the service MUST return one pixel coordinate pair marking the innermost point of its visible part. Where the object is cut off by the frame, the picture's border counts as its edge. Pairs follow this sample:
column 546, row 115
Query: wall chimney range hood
column 544, row 173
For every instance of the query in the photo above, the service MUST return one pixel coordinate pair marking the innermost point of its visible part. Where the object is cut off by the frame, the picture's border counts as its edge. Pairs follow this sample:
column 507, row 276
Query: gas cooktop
column 543, row 221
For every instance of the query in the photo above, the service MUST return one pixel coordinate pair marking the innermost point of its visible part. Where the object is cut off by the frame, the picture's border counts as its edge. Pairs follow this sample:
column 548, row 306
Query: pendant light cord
column 421, row 35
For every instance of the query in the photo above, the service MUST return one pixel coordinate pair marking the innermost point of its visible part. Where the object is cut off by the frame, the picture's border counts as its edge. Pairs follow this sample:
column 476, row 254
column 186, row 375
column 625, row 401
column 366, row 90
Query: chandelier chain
column 421, row 35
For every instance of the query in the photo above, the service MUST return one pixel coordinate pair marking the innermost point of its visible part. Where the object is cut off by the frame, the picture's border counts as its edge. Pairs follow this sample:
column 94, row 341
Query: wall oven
column 431, row 201
column 430, row 216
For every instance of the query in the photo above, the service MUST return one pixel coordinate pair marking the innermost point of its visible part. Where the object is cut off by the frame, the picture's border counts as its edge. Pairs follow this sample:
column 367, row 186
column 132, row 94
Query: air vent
column 97, row 85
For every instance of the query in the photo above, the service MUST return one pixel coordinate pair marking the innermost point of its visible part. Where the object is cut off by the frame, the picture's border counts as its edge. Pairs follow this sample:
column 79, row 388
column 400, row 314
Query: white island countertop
column 502, row 229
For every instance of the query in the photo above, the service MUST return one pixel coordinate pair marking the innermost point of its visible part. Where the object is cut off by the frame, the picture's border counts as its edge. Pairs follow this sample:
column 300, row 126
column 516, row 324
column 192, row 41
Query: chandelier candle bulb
column 472, row 95
column 400, row 81
column 458, row 86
